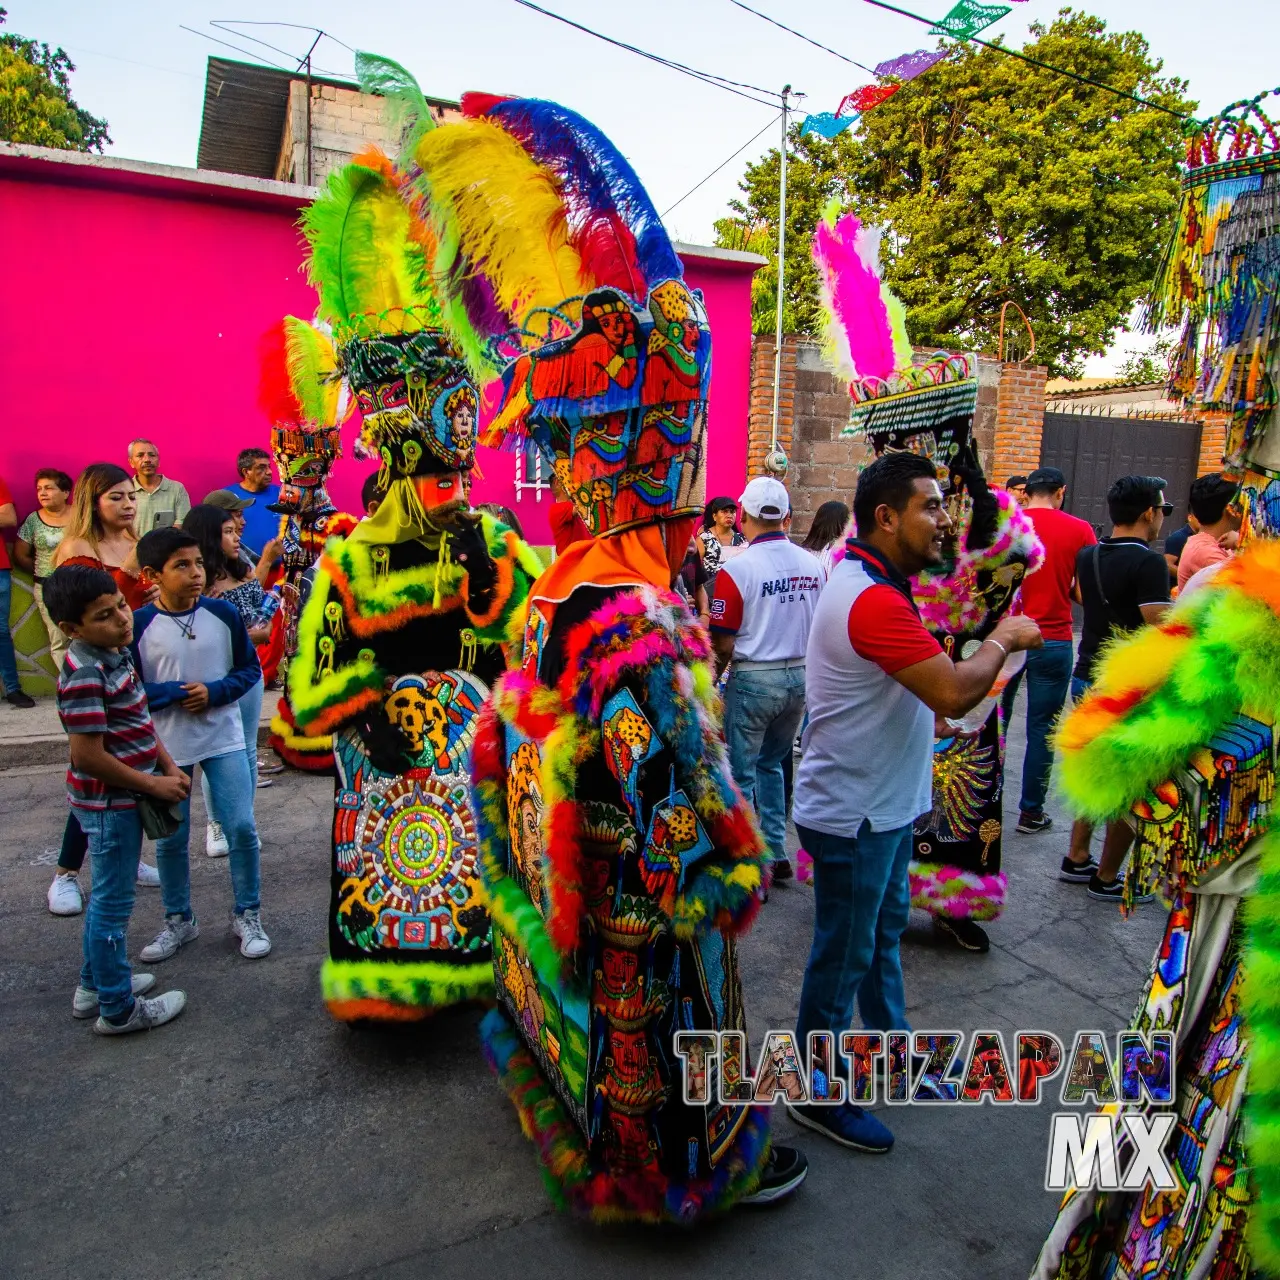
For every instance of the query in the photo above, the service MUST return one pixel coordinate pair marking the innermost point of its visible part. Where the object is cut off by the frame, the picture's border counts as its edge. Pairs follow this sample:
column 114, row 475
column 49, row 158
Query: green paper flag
column 967, row 18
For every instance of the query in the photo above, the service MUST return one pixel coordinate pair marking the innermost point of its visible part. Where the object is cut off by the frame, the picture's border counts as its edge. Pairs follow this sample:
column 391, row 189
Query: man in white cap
column 760, row 619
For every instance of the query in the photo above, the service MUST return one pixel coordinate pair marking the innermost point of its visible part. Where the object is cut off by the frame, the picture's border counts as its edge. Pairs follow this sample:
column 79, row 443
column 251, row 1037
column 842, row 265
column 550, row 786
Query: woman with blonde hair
column 100, row 533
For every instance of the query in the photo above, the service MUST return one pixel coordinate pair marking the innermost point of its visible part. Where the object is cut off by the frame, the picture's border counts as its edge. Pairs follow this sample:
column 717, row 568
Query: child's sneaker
column 84, row 1004
column 145, row 1015
column 148, row 876
column 64, row 896
column 215, row 841
column 176, row 933
column 247, row 926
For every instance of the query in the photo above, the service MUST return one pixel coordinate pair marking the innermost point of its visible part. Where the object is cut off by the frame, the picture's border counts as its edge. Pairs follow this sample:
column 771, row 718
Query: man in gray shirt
column 161, row 502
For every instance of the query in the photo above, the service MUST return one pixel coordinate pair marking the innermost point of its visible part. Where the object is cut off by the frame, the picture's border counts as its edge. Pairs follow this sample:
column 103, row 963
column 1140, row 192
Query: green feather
column 408, row 112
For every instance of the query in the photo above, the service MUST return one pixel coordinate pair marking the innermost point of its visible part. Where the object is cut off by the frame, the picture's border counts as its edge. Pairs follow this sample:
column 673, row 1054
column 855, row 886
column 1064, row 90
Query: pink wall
column 134, row 304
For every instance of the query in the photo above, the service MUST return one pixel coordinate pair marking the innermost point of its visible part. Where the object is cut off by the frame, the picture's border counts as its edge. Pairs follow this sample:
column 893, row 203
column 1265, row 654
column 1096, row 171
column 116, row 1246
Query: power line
column 718, row 82
column 801, row 36
column 720, row 166
column 206, row 36
column 1044, row 66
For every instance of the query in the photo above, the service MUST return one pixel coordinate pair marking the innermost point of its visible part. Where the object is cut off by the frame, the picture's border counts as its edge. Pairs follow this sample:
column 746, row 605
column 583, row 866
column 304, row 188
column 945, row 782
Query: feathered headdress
column 552, row 248
column 370, row 258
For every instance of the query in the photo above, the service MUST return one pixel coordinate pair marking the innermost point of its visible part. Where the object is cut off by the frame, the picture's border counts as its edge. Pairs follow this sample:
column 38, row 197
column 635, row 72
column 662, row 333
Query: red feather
column 475, row 105
column 275, row 391
column 608, row 250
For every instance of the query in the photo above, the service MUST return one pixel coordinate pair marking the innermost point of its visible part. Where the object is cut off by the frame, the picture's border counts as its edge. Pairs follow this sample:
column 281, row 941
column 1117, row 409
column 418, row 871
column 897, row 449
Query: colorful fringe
column 311, row 754
column 384, row 991
column 1163, row 691
column 943, row 890
column 566, row 1170
column 950, row 601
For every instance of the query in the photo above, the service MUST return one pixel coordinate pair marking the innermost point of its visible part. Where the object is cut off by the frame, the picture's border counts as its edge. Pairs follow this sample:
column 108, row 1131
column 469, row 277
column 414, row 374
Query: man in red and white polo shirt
column 760, row 619
column 875, row 681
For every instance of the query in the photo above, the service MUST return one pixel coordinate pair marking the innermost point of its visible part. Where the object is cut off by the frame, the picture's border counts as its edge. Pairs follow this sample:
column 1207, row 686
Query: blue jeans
column 862, row 899
column 762, row 713
column 230, row 785
column 8, row 662
column 250, row 711
column 1048, row 673
column 115, row 845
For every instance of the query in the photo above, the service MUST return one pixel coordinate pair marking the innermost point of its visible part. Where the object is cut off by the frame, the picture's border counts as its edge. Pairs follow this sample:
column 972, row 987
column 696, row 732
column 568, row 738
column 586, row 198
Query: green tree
column 36, row 106
column 1148, row 366
column 996, row 181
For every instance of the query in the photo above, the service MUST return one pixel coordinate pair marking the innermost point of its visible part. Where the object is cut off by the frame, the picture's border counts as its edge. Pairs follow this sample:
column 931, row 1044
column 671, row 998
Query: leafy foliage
column 36, row 106
column 1148, row 366
column 996, row 181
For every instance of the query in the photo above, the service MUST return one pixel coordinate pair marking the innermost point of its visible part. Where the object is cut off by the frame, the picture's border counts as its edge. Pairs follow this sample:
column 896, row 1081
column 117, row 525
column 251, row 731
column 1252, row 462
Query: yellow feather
column 494, row 205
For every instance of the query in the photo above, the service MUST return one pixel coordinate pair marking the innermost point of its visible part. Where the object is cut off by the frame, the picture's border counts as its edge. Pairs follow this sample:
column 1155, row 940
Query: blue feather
column 596, row 178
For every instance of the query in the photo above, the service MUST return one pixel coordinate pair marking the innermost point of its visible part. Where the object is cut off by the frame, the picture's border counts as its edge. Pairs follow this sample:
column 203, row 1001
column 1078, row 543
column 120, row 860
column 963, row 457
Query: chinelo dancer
column 620, row 861
column 403, row 631
column 926, row 406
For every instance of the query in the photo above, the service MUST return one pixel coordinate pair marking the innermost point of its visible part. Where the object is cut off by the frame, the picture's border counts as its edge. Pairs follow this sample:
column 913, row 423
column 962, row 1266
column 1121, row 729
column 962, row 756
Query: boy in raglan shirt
column 196, row 659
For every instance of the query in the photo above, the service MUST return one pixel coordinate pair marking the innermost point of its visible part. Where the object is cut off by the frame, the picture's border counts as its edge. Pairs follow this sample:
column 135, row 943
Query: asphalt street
column 254, row 1137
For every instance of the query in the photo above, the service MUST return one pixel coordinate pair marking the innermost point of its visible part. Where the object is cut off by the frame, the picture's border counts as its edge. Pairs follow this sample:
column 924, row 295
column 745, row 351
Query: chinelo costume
column 301, row 392
column 926, row 406
column 621, row 864
column 1177, row 736
column 403, row 631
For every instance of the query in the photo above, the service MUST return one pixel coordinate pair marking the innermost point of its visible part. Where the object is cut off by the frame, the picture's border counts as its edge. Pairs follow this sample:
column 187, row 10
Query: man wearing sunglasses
column 1123, row 585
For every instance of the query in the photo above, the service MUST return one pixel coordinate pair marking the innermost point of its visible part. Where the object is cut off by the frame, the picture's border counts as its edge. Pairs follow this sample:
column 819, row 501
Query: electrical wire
column 1035, row 62
column 801, row 36
column 720, row 166
column 223, row 24
column 206, row 36
column 718, row 82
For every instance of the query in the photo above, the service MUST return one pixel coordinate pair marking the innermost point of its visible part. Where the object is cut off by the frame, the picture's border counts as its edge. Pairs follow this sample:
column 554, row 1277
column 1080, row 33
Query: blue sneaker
column 846, row 1124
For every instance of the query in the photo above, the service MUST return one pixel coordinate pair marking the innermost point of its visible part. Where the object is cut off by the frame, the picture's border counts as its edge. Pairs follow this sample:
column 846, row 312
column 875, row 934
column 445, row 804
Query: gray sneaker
column 84, row 1004
column 254, row 943
column 146, row 1014
column 176, row 933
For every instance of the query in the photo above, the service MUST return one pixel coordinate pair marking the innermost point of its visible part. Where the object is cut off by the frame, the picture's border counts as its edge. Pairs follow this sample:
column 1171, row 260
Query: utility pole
column 307, row 60
column 777, row 460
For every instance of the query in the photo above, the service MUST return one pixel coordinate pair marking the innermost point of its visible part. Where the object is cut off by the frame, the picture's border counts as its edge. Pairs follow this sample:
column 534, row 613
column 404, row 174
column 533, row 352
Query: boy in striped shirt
column 115, row 756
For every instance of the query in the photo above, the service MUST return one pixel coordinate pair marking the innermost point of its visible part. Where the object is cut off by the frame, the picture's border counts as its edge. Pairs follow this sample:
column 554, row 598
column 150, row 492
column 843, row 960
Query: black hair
column 1130, row 496
column 722, row 503
column 828, row 526
column 71, row 588
column 890, row 480
column 504, row 515
column 60, row 478
column 155, row 548
column 371, row 490
column 205, row 522
column 247, row 457
column 1210, row 497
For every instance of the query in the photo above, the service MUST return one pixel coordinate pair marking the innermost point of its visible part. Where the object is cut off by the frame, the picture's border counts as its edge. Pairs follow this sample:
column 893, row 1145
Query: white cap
column 765, row 498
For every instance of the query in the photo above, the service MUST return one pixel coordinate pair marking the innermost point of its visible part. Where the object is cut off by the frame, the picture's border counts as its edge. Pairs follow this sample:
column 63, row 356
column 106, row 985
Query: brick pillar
column 1019, row 420
column 1213, row 440
column 760, row 427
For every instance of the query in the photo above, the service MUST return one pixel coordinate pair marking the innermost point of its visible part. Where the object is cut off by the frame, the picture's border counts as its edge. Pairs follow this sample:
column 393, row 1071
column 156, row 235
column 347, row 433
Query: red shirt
column 5, row 499
column 1046, row 594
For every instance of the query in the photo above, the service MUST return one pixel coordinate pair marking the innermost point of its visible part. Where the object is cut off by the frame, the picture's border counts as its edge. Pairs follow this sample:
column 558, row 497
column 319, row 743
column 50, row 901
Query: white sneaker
column 146, row 1014
column 254, row 943
column 176, row 933
column 84, row 1004
column 148, row 876
column 215, row 843
column 64, row 896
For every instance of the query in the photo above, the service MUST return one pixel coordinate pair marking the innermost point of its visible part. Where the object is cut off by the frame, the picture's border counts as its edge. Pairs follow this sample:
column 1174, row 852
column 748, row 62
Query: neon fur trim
column 947, row 602
column 943, row 890
column 1260, row 1002
column 418, row 986
column 566, row 1171
column 1160, row 693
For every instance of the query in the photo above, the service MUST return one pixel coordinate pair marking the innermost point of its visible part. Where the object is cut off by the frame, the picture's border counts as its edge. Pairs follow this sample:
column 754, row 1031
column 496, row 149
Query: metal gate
column 1093, row 449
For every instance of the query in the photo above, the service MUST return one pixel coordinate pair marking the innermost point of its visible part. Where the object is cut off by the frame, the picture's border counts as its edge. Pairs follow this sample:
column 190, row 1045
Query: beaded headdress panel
column 370, row 260
column 553, row 252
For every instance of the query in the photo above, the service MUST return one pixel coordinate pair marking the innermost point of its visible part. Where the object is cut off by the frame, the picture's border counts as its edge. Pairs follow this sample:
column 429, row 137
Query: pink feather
column 857, row 322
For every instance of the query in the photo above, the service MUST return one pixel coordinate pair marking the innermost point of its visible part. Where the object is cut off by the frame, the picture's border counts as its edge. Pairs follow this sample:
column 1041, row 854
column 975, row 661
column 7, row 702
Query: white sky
column 145, row 75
